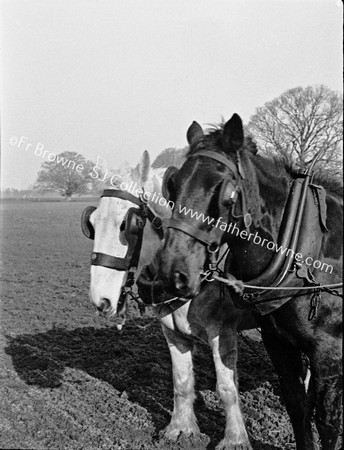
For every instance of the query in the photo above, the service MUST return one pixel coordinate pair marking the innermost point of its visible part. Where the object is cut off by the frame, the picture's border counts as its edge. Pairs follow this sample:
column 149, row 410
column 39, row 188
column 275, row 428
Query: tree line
column 296, row 126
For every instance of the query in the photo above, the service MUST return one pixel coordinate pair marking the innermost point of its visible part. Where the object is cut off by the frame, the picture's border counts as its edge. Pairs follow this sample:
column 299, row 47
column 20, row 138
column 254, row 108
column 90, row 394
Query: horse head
column 204, row 190
column 125, row 217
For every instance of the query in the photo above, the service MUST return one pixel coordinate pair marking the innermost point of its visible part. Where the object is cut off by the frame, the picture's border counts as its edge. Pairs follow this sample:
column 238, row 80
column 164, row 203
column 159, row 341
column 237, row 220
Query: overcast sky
column 113, row 78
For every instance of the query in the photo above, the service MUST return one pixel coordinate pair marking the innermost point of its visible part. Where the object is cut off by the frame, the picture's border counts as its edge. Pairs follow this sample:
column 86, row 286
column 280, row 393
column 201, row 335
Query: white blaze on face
column 107, row 283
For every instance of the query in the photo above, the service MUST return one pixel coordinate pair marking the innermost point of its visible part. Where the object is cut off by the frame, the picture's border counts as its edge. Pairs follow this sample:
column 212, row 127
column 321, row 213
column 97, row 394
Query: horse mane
column 212, row 140
column 272, row 165
column 276, row 164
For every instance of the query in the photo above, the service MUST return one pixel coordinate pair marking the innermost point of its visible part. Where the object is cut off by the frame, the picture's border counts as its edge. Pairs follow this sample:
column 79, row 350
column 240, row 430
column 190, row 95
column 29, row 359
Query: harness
column 279, row 275
column 212, row 239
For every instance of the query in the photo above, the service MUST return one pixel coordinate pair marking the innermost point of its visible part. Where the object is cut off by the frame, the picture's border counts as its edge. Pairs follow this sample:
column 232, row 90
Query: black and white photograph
column 171, row 225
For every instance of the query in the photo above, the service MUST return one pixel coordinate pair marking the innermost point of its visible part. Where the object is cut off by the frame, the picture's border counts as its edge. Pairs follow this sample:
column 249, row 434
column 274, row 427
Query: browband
column 201, row 236
column 221, row 159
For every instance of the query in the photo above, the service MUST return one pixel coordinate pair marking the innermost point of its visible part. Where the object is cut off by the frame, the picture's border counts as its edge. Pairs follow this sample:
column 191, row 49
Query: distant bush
column 170, row 157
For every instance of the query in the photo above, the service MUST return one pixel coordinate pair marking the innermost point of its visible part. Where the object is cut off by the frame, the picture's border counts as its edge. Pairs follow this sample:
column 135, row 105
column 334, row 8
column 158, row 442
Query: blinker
column 132, row 226
column 86, row 226
column 133, row 222
column 229, row 193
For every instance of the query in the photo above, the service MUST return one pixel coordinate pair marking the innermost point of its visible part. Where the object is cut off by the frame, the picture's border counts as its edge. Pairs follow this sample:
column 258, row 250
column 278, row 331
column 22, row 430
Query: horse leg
column 183, row 417
column 287, row 361
column 327, row 380
column 224, row 348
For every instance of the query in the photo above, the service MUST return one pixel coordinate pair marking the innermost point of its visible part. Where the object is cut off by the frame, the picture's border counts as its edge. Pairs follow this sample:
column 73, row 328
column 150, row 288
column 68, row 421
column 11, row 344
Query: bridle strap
column 156, row 222
column 202, row 236
column 124, row 195
column 221, row 159
column 111, row 262
column 132, row 257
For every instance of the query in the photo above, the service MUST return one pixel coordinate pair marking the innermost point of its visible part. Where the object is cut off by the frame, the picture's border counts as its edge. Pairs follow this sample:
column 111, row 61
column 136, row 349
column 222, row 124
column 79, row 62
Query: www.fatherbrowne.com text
column 154, row 197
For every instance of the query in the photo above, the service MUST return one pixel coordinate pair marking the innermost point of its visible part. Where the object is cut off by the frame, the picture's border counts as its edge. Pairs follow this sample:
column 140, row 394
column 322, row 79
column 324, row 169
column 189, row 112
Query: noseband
column 133, row 227
column 212, row 238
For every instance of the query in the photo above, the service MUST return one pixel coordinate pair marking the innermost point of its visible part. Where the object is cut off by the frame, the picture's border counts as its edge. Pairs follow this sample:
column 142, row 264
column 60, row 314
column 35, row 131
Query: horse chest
column 177, row 320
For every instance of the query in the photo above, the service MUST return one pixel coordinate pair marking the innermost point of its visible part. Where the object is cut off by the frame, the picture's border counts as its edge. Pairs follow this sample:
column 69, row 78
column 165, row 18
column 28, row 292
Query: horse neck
column 266, row 196
column 150, row 245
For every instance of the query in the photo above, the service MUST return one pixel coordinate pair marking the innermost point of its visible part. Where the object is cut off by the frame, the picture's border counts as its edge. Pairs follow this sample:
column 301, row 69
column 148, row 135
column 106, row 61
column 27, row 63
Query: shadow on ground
column 137, row 362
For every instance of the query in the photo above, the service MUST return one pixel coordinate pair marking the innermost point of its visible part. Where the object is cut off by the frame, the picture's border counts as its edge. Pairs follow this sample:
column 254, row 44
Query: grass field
column 70, row 380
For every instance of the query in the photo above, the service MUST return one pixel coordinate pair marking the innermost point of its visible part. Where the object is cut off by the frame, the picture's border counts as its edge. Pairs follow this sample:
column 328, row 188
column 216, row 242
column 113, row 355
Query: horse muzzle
column 180, row 265
column 104, row 306
column 182, row 284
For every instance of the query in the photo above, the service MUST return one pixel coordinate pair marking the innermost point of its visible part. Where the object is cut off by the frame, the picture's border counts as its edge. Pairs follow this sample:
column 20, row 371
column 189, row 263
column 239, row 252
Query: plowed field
column 70, row 380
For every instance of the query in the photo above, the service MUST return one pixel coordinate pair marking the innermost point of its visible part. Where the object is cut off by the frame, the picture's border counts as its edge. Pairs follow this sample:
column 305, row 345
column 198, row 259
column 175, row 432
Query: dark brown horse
column 280, row 236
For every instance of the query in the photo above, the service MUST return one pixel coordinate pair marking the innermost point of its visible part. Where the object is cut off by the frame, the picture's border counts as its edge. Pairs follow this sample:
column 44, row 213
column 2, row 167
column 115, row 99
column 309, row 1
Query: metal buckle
column 216, row 248
column 207, row 274
column 249, row 297
column 156, row 218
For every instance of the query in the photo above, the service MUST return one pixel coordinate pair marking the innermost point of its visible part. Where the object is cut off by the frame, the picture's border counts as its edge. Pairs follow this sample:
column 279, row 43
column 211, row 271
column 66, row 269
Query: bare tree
column 69, row 173
column 301, row 123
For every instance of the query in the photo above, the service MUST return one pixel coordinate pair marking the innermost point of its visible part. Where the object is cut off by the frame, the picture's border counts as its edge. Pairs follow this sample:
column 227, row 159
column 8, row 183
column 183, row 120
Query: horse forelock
column 198, row 182
column 213, row 141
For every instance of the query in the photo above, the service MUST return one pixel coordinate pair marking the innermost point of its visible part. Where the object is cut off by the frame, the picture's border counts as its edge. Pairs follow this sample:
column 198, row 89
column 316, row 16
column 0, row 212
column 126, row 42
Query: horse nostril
column 105, row 305
column 180, row 280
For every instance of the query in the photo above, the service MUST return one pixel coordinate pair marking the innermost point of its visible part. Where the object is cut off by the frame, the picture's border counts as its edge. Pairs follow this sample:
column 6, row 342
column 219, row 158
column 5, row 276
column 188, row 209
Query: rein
column 283, row 288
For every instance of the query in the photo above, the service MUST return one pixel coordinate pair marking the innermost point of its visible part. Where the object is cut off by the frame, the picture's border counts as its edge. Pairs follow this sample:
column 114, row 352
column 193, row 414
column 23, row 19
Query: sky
column 110, row 79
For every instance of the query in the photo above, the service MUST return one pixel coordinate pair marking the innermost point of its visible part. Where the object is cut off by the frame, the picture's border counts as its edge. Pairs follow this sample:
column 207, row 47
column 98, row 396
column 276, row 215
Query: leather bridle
column 212, row 238
column 143, row 212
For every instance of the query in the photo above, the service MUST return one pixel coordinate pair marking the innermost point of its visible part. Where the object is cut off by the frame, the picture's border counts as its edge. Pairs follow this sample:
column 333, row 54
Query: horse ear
column 233, row 134
column 143, row 167
column 194, row 133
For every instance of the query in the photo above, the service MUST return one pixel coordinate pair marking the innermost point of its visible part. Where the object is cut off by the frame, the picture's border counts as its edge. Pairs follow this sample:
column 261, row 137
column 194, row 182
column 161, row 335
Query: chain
column 213, row 268
column 332, row 291
column 315, row 300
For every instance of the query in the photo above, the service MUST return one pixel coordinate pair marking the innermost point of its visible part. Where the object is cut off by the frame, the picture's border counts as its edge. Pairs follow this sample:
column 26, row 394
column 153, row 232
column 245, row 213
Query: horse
column 285, row 237
column 121, row 232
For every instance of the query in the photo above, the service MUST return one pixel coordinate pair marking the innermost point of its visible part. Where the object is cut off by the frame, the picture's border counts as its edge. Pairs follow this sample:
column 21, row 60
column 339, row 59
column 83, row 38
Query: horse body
column 246, row 199
column 210, row 316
